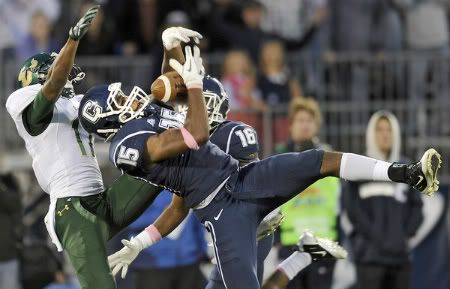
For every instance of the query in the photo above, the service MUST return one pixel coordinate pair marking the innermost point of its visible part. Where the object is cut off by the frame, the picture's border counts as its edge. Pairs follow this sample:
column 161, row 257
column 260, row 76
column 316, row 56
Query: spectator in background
column 17, row 15
column 249, row 36
column 100, row 37
column 239, row 82
column 383, row 215
column 174, row 262
column 274, row 81
column 39, row 38
column 7, row 41
column 10, row 222
column 137, row 27
column 292, row 19
column 173, row 18
column 358, row 27
column 301, row 19
column 317, row 208
column 427, row 36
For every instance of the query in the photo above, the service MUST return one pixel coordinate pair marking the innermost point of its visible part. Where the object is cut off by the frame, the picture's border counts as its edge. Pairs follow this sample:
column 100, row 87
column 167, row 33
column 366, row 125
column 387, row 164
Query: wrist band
column 153, row 233
column 189, row 139
column 194, row 85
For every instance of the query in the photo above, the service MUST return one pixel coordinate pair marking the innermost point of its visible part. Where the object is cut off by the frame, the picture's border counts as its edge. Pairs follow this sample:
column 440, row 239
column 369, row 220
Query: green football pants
column 85, row 224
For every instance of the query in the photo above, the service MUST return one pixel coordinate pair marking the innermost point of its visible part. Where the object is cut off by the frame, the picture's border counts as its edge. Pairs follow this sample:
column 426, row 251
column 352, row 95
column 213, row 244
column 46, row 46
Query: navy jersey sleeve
column 128, row 146
column 238, row 140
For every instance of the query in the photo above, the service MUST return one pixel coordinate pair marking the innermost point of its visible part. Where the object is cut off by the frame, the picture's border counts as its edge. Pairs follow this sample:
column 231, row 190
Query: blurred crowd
column 382, row 225
column 255, row 38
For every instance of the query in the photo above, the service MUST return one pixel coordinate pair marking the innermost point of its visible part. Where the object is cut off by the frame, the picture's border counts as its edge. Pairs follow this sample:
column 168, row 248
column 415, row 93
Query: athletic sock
column 294, row 264
column 360, row 168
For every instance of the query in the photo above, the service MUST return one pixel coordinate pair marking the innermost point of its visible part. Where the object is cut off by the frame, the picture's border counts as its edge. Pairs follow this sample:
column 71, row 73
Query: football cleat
column 320, row 248
column 269, row 224
column 422, row 175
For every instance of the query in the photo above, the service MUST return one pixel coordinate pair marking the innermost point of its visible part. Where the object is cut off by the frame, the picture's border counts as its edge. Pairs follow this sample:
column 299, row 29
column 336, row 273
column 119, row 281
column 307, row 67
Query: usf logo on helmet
column 35, row 69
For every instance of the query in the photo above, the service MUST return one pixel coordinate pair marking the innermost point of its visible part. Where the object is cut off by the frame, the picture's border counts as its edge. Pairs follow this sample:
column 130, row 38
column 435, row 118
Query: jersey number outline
column 247, row 136
column 128, row 156
column 75, row 126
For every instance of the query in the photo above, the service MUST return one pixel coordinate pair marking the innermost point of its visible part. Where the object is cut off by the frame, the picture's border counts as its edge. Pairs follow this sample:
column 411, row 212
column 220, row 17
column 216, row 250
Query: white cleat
column 269, row 224
column 320, row 248
column 422, row 175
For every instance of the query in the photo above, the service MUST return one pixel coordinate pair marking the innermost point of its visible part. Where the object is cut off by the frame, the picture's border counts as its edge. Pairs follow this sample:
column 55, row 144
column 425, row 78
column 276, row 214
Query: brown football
column 169, row 86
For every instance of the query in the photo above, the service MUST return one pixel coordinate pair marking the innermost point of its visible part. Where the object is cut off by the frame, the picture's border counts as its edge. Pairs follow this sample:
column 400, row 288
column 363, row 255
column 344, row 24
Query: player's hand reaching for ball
column 173, row 36
column 123, row 258
column 192, row 71
column 82, row 26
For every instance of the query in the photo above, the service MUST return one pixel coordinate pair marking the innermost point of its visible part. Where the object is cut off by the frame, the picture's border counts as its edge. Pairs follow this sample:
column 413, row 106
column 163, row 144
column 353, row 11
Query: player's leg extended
column 421, row 175
column 232, row 224
column 277, row 179
column 128, row 198
column 263, row 248
column 83, row 236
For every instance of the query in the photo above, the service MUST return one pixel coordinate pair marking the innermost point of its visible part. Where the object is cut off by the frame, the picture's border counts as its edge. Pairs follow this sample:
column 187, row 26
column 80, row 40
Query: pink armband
column 189, row 139
column 153, row 233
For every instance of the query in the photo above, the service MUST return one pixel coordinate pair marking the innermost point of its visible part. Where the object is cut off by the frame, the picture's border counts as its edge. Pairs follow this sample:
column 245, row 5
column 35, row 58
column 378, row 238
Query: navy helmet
column 105, row 108
column 216, row 100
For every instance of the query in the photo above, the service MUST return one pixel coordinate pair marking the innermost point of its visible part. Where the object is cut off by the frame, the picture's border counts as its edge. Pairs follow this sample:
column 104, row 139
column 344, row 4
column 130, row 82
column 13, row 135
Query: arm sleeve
column 38, row 115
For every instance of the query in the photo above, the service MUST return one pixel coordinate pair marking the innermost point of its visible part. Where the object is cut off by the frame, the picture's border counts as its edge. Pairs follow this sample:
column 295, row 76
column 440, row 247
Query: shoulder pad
column 20, row 99
column 128, row 145
column 237, row 139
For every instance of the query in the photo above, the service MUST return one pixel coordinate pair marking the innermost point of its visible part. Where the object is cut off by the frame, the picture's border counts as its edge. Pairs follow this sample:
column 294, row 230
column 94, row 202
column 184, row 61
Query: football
column 169, row 86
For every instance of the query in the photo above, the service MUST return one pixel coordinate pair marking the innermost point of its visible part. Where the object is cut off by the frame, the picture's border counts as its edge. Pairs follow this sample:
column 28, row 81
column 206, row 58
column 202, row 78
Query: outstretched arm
column 195, row 132
column 169, row 219
column 38, row 114
column 62, row 66
column 172, row 38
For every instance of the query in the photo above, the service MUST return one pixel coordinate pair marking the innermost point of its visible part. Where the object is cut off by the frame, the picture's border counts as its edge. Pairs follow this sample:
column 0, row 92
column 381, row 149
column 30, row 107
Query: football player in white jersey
column 83, row 215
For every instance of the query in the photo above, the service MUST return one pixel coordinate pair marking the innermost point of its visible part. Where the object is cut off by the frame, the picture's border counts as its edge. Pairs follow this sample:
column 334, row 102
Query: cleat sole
column 431, row 163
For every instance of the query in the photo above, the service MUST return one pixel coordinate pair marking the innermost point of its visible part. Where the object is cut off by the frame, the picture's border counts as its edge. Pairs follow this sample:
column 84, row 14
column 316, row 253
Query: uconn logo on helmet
column 92, row 111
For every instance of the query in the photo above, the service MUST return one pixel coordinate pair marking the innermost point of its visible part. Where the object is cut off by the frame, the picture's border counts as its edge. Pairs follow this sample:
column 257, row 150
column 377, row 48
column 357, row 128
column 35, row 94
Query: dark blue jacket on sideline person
column 384, row 216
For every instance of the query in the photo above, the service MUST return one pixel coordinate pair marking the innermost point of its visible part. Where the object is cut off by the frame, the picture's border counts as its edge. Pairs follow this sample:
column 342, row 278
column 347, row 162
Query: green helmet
column 35, row 69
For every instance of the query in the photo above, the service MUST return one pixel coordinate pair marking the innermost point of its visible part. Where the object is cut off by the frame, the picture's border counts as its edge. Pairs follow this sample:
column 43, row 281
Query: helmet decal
column 91, row 111
column 104, row 109
column 26, row 74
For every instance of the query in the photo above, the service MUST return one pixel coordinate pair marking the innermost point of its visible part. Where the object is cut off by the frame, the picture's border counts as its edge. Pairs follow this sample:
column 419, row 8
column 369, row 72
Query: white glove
column 192, row 71
column 123, row 258
column 173, row 36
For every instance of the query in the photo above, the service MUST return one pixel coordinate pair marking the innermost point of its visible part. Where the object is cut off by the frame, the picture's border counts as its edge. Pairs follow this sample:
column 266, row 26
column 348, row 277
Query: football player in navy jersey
column 152, row 142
